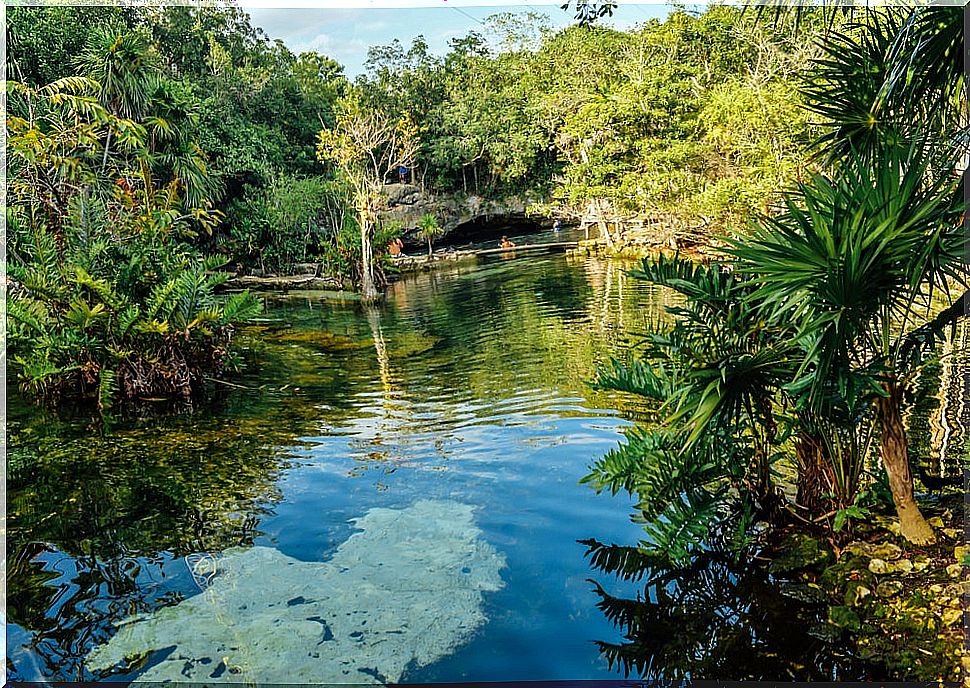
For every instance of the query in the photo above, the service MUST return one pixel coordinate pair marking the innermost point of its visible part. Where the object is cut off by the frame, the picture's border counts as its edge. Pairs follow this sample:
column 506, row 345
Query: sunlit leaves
column 852, row 255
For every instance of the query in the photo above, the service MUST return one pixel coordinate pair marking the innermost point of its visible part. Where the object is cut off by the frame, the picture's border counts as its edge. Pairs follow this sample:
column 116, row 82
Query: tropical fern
column 628, row 563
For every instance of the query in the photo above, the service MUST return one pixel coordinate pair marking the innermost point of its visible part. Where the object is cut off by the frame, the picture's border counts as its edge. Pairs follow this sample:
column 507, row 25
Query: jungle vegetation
column 153, row 149
column 695, row 116
column 795, row 361
column 801, row 350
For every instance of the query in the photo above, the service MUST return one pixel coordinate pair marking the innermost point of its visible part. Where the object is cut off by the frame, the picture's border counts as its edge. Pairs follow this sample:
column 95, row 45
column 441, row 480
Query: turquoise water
column 468, row 386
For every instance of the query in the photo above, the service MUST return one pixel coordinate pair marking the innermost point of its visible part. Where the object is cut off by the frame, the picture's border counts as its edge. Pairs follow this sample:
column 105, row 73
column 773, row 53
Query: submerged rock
column 800, row 551
column 889, row 588
column 405, row 590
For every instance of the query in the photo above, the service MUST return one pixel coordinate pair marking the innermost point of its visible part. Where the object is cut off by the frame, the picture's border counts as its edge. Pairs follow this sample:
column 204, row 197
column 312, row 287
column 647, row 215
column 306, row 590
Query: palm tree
column 123, row 63
column 892, row 79
column 853, row 263
column 430, row 230
column 171, row 123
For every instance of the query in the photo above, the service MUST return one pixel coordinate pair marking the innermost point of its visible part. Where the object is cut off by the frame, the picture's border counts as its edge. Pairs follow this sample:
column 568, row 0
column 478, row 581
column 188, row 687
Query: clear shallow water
column 468, row 385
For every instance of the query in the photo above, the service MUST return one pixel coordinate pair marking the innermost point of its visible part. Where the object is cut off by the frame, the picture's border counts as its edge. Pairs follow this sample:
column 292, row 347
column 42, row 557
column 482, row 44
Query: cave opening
column 489, row 230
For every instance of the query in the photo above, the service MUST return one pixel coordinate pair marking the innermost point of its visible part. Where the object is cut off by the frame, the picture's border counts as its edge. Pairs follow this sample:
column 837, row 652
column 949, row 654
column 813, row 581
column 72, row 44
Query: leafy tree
column 292, row 220
column 44, row 42
column 365, row 146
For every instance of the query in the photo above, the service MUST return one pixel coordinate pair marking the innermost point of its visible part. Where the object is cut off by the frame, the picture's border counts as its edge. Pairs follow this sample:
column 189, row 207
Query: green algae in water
column 405, row 590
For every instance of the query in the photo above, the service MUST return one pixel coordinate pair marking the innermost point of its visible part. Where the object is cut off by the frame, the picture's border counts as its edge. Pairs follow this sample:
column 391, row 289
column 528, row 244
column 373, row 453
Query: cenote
column 392, row 490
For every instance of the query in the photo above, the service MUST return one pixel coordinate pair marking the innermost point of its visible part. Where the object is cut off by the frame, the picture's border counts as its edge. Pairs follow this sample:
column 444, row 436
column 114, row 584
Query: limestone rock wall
column 407, row 204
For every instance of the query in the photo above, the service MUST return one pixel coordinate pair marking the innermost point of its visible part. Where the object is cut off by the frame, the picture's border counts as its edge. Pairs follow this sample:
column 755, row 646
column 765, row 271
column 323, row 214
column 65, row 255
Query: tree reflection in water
column 716, row 617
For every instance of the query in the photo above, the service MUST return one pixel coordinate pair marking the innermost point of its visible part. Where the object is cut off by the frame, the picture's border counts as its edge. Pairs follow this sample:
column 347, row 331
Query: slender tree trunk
column 605, row 231
column 368, row 292
column 896, row 460
column 429, row 248
column 107, row 145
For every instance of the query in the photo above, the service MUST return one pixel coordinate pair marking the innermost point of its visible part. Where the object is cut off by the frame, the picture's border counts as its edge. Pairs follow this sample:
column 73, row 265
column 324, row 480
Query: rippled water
column 468, row 385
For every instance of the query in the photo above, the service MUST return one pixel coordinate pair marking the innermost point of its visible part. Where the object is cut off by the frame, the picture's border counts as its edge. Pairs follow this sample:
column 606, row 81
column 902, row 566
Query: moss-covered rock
column 887, row 551
column 844, row 617
column 908, row 604
column 889, row 588
column 800, row 551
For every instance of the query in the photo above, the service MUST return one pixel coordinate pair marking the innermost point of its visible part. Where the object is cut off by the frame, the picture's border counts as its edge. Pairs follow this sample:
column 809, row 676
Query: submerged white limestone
column 404, row 591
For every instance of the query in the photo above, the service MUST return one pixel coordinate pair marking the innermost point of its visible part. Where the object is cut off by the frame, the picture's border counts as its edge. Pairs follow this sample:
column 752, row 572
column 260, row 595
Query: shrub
column 111, row 321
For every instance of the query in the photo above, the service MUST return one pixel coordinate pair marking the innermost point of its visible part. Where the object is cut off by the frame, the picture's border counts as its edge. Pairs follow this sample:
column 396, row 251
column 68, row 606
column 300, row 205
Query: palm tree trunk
column 815, row 479
column 895, row 458
column 429, row 248
column 107, row 145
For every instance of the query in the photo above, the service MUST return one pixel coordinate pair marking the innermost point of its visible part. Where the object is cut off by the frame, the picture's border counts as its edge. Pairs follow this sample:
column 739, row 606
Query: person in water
column 556, row 226
column 506, row 242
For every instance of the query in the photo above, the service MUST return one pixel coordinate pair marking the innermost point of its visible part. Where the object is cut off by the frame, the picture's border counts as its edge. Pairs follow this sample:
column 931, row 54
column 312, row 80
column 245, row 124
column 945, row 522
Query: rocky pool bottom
column 401, row 592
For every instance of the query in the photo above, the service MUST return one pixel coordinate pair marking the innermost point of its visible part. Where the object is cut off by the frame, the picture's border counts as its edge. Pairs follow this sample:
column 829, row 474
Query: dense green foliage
column 107, row 184
column 695, row 116
column 256, row 111
column 800, row 351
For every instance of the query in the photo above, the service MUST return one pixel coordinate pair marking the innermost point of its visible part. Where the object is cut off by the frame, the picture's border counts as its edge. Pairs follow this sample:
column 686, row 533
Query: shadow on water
column 721, row 617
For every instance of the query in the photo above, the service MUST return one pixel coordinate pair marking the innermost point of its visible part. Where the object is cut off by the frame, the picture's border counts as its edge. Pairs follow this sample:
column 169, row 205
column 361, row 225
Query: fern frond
column 106, row 389
column 623, row 466
column 682, row 528
column 100, row 287
column 639, row 377
column 126, row 319
column 628, row 563
column 240, row 307
column 31, row 314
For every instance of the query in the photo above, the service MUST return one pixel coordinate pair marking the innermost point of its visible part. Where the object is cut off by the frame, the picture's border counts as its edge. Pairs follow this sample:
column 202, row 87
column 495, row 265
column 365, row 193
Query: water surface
column 469, row 385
